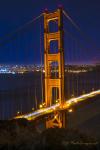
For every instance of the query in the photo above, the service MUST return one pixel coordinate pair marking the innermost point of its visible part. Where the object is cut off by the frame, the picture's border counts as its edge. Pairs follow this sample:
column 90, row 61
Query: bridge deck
column 67, row 104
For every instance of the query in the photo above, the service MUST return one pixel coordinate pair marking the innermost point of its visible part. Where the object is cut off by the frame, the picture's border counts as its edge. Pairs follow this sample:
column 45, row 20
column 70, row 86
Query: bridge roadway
column 65, row 106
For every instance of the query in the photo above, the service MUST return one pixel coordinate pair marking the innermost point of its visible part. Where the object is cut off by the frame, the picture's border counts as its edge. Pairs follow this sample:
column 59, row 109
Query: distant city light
column 20, row 69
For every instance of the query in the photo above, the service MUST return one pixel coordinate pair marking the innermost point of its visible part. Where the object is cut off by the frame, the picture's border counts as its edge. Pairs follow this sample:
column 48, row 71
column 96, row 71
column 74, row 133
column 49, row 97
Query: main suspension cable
column 9, row 36
column 86, row 37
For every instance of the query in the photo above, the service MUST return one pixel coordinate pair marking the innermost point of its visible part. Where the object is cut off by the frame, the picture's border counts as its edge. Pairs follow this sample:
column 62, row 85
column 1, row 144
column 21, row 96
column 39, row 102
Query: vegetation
column 23, row 135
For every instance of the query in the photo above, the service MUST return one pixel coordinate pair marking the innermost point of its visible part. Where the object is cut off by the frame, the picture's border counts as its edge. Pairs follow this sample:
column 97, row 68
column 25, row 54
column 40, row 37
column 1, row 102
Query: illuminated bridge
column 67, row 105
column 64, row 80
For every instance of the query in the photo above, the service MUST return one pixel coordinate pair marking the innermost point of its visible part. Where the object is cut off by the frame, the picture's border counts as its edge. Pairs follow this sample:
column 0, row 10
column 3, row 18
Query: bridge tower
column 58, row 118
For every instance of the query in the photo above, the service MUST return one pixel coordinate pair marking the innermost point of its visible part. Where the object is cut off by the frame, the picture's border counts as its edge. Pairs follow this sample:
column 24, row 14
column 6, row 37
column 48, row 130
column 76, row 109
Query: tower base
column 57, row 120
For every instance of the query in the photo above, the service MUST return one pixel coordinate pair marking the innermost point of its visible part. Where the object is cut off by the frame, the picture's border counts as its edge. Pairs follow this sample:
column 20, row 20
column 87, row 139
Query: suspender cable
column 67, row 76
column 35, row 97
column 70, row 38
column 73, row 65
column 41, row 55
column 77, row 75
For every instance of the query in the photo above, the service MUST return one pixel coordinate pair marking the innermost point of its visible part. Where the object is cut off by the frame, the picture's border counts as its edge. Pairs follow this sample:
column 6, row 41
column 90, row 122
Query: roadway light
column 40, row 106
column 44, row 104
column 56, row 101
column 33, row 109
column 63, row 106
column 75, row 101
column 55, row 117
column 18, row 112
column 69, row 102
column 54, row 108
column 70, row 110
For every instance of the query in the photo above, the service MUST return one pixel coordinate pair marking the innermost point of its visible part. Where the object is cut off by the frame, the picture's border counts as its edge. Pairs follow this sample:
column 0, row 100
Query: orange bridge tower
column 58, row 118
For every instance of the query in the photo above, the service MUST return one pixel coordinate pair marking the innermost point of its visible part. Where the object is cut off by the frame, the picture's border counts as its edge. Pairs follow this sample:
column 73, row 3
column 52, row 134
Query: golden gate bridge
column 54, row 70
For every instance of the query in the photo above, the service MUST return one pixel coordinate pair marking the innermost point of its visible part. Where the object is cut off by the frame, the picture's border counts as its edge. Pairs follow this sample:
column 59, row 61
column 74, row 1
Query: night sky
column 24, row 47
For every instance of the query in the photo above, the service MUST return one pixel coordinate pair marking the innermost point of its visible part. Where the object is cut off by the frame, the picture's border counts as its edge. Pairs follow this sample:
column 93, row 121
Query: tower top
column 60, row 6
column 46, row 10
